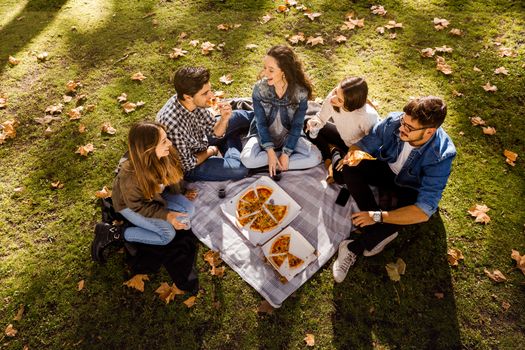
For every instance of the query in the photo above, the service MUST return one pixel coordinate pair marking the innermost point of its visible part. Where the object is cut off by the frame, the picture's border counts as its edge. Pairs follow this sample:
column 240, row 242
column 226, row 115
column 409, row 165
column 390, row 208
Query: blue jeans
column 152, row 230
column 229, row 167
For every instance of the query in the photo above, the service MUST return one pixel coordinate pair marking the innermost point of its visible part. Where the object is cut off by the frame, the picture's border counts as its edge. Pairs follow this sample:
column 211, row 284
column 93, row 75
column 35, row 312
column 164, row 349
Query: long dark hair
column 292, row 68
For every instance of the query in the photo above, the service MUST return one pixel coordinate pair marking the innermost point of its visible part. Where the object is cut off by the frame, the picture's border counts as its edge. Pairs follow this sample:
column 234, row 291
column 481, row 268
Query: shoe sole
column 379, row 248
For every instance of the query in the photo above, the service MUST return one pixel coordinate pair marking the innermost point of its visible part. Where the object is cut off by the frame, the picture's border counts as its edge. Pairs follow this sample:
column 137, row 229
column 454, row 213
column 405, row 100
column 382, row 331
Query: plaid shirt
column 187, row 130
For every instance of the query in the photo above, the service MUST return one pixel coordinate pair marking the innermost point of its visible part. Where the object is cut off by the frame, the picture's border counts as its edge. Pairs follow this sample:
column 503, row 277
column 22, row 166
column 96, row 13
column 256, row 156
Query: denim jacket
column 266, row 104
column 426, row 169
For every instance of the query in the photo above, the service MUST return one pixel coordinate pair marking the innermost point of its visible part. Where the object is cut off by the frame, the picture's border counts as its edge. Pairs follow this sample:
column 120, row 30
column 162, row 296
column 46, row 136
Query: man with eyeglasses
column 414, row 158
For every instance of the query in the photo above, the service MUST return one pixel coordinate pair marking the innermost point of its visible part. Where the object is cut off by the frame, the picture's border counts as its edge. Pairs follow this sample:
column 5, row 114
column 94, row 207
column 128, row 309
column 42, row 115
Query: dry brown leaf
column 226, row 79
column 72, row 85
column 75, row 113
column 48, row 132
column 439, row 295
column 137, row 282
column 395, row 270
column 140, row 103
column 108, row 129
column 18, row 189
column 442, row 66
column 496, row 275
column 351, row 23
column 167, row 293
column 456, row 93
column 506, row 52
column 81, row 99
column 13, row 61
column 122, row 98
column 207, row 47
column 380, row 30
column 194, row 43
column 282, row 8
column 340, row 39
column 480, row 213
column 9, row 129
column 393, row 25
column 85, row 150
column 3, row 101
column 90, row 107
column 378, row 10
column 103, row 193
column 265, row 308
column 312, row 15
column 10, row 331
column 138, row 76
column 129, row 107
column 440, row 23
column 456, row 32
column 511, row 157
column 505, row 305
column 176, row 52
column 501, row 70
column 43, row 56
column 251, row 46
column 294, row 39
column 520, row 260
column 57, row 185
column 217, row 271
column 476, row 69
column 454, row 255
column 80, row 285
column 81, row 128
column 490, row 88
column 291, row 2
column 266, row 18
column 392, row 35
column 190, row 301
column 309, row 339
column 67, row 98
column 19, row 313
column 428, row 52
column 477, row 121
column 489, row 130
column 444, row 48
column 315, row 41
column 212, row 258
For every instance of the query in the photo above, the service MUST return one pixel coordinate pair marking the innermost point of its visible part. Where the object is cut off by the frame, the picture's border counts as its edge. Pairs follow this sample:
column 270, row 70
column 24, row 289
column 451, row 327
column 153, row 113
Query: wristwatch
column 377, row 216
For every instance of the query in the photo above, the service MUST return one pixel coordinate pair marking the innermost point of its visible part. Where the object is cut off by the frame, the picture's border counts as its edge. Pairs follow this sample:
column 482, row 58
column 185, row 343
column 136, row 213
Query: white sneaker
column 381, row 245
column 345, row 260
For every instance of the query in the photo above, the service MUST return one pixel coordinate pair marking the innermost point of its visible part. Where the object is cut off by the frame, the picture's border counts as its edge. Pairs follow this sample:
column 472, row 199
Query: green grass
column 45, row 233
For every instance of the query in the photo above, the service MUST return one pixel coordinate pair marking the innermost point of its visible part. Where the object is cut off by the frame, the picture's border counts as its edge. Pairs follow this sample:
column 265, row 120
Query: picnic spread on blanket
column 302, row 242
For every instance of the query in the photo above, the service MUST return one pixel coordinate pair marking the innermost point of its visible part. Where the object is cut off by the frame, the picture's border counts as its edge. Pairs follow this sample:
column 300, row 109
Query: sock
column 336, row 157
column 356, row 247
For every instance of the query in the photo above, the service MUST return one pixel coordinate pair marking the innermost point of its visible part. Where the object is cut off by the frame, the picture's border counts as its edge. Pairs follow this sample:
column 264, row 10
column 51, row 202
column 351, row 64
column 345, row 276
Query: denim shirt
column 426, row 169
column 266, row 104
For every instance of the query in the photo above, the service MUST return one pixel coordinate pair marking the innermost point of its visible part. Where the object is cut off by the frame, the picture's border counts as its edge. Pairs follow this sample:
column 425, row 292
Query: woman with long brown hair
column 280, row 100
column 146, row 192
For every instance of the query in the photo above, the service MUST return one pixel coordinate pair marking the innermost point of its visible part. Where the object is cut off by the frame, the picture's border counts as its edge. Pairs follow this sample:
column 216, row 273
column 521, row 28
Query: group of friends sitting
column 406, row 155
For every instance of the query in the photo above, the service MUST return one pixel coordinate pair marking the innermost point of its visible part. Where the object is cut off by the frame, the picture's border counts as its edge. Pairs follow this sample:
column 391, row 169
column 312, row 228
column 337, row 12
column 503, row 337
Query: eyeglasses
column 409, row 127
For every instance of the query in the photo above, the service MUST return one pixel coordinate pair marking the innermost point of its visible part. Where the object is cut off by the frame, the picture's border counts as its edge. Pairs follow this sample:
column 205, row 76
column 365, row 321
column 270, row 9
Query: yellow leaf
column 9, row 128
column 217, row 271
column 309, row 339
column 167, row 293
column 393, row 273
column 75, row 113
column 73, row 85
column 282, row 8
column 10, row 331
column 137, row 282
column 190, row 301
column 511, row 157
column 20, row 313
column 85, row 150
column 454, row 255
column 138, row 76
column 212, row 258
column 103, row 193
column 80, row 285
column 496, row 275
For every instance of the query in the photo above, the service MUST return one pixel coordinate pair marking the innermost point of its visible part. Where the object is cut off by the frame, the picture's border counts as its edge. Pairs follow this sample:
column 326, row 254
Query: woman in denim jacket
column 280, row 100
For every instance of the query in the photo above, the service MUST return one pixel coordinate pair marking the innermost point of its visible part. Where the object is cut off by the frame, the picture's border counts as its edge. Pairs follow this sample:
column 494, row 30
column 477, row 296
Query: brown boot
column 328, row 165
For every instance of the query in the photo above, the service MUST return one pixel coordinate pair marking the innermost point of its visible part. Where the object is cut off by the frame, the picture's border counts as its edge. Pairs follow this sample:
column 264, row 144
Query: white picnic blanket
column 322, row 222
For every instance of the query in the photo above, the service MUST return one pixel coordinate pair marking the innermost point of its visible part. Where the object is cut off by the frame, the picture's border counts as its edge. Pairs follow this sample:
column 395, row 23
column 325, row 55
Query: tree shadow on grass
column 419, row 312
column 34, row 18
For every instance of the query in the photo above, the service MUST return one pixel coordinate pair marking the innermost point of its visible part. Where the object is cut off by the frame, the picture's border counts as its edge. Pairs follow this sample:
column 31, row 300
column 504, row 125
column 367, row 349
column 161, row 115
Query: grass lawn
column 45, row 233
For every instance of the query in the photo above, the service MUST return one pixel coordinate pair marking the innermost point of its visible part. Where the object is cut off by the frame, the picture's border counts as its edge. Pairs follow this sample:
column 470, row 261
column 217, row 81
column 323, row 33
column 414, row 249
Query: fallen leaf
column 393, row 25
column 57, row 185
column 489, row 130
column 505, row 305
column 501, row 70
column 190, row 301
column 9, row 129
column 395, row 270
column 439, row 295
column 103, row 193
column 90, row 108
column 506, row 52
column 217, row 271
column 520, row 260
column 251, row 46
column 456, row 93
column 75, row 113
column 138, row 76
column 392, row 35
column 194, row 42
column 3, row 101
column 340, row 38
column 291, row 2
column 440, row 23
column 85, row 150
column 182, row 35
column 221, row 46
column 167, row 293
column 312, row 15
column 207, row 47
column 454, row 255
column 137, row 282
column 67, row 98
column 282, row 8
column 351, row 23
column 294, row 39
column 122, row 98
column 380, row 30
column 477, row 121
column 19, row 313
column 315, row 41
column 108, row 129
column 480, row 213
column 456, row 32
column 378, row 10
column 490, row 88
column 80, row 285
column 43, row 56
column 129, row 107
column 81, row 128
column 140, row 103
column 10, row 331
column 266, row 18
column 442, row 66
column 444, row 48
column 73, row 85
column 13, row 61
column 48, row 132
column 309, row 339
column 496, row 275
column 476, row 69
column 428, row 52
column 212, row 258
column 81, row 99
column 265, row 308
column 511, row 157
column 18, row 189
column 226, row 79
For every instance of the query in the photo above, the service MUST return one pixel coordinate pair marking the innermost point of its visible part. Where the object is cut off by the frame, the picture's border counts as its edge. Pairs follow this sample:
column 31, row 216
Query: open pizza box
column 299, row 248
column 278, row 197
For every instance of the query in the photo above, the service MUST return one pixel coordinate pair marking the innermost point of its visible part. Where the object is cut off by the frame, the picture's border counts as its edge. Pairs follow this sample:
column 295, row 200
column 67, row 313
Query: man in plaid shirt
column 189, row 125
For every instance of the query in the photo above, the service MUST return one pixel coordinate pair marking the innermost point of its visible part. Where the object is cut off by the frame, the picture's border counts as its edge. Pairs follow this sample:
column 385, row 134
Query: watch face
column 377, row 216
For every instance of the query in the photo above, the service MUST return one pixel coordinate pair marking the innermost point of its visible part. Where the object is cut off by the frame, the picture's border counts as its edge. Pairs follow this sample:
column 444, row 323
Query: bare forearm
column 202, row 156
column 408, row 215
column 220, row 127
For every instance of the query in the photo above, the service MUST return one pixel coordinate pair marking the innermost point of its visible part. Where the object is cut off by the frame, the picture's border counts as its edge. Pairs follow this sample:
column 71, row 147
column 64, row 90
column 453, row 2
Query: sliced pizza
column 277, row 211
column 264, row 193
column 245, row 220
column 294, row 261
column 278, row 260
column 280, row 245
column 263, row 222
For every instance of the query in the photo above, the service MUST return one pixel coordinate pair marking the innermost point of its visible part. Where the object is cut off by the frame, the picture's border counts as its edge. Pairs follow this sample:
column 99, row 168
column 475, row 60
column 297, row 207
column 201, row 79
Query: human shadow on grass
column 418, row 312
column 30, row 22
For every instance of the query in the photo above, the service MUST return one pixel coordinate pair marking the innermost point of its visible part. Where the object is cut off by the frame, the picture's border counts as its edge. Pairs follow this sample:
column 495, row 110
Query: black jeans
column 375, row 173
column 327, row 136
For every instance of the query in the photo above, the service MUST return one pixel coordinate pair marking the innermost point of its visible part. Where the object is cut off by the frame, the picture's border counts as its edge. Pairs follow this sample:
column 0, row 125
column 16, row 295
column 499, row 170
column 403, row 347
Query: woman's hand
column 273, row 162
column 284, row 159
column 174, row 217
column 191, row 194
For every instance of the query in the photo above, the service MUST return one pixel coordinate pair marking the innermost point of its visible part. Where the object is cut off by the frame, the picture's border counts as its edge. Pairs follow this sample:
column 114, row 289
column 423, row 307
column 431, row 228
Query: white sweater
column 352, row 126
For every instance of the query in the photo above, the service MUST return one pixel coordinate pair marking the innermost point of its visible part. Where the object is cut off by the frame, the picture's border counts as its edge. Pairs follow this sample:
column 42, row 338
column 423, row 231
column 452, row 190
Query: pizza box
column 299, row 247
column 279, row 197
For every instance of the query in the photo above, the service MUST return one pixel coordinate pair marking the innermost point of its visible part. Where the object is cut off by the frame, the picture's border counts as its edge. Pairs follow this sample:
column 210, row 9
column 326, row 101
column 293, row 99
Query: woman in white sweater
column 353, row 117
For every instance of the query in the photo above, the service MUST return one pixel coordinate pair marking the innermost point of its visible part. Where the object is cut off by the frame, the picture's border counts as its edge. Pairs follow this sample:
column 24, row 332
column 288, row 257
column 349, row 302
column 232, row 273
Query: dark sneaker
column 105, row 235
column 345, row 260
column 381, row 245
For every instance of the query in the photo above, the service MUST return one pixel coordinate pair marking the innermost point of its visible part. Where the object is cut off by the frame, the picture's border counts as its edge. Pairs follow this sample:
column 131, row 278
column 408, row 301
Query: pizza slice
column 277, row 211
column 294, row 261
column 280, row 245
column 278, row 260
column 245, row 220
column 264, row 193
column 264, row 222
